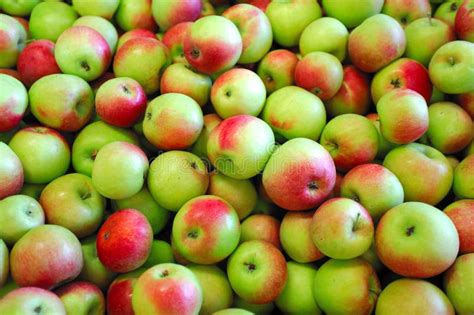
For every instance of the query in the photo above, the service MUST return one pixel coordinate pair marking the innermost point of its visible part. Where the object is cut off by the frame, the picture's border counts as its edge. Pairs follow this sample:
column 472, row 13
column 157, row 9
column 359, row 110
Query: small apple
column 13, row 37
column 277, row 68
column 13, row 102
column 82, row 297
column 11, row 172
column 406, row 11
column 458, row 284
column 31, row 301
column 170, row 13
column 261, row 227
column 93, row 270
column 353, row 12
column 463, row 185
column 133, row 14
column 105, row 9
column 49, row 19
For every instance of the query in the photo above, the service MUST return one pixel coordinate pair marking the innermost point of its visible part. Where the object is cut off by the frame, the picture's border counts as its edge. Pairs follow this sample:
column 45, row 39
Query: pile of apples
column 236, row 157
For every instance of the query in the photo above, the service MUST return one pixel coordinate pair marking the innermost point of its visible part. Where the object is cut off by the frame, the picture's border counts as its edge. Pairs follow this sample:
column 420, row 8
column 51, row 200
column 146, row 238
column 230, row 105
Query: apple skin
column 18, row 8
column 70, row 103
column 447, row 10
column 335, row 275
column 119, row 293
column 461, row 212
column 4, row 263
column 464, row 22
column 124, row 240
column 13, row 102
column 353, row 12
column 133, row 14
column 452, row 66
column 200, row 146
column 103, row 9
column 376, row 42
column 169, row 13
column 402, row 73
column 93, row 270
column 466, row 101
column 37, row 61
column 173, row 38
column 82, row 297
column 277, row 68
column 11, row 72
column 46, row 257
column 255, row 30
column 242, row 305
column 50, row 19
column 416, row 240
column 458, row 284
column 463, row 185
column 404, row 296
column 153, row 289
column 11, row 172
column 29, row 299
column 135, row 33
column 13, row 37
column 406, row 11
column 161, row 252
column 257, row 272
column 212, row 44
column 261, row 227
column 43, row 152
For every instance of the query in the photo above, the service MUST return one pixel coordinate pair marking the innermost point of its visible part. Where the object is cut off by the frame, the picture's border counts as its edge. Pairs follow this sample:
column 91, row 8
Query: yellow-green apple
column 459, row 284
column 461, row 212
column 425, row 36
column 22, row 214
column 384, row 145
column 200, row 146
column 463, row 185
column 306, row 120
column 161, row 252
column 124, row 240
column 32, row 190
column 452, row 67
column 277, row 68
column 332, row 279
column 82, row 298
column 416, row 240
column 173, row 38
column 207, row 8
column 403, row 296
column 13, row 37
column 142, row 59
column 173, row 121
column 4, row 263
column 261, row 309
column 69, row 105
column 261, row 227
column 464, row 21
column 300, row 175
column 13, row 102
column 47, row 256
column 342, row 228
column 320, row 73
column 93, row 270
column 212, row 44
column 331, row 37
column 31, row 301
column 119, row 293
column 216, row 291
column 375, row 187
column 119, row 170
column 105, row 9
column 138, row 32
column 240, row 146
column 102, row 26
column 49, row 19
column 133, row 14
column 234, row 311
column 297, row 296
column 466, row 101
column 402, row 73
column 290, row 18
column 43, row 152
column 346, row 150
column 175, row 177
column 167, row 289
column 206, row 230
column 376, row 42
column 257, row 271
column 180, row 78
column 18, row 8
column 239, row 193
column 36, row 61
column 11, row 172
column 353, row 12
column 255, row 30
column 406, row 11
column 170, row 13
column 447, row 10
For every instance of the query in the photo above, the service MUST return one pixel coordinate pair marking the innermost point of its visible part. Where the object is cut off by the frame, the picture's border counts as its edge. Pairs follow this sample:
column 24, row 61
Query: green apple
column 13, row 37
column 463, row 186
column 233, row 311
column 13, row 102
column 82, row 298
column 49, row 19
column 18, row 8
column 31, row 301
column 353, row 12
column 32, row 190
column 9, row 286
column 11, row 172
column 101, row 25
column 4, row 263
column 132, row 14
column 447, row 11
column 93, row 270
column 258, row 309
column 459, row 284
column 277, row 69
column 406, row 12
column 200, row 146
column 161, row 252
column 261, row 227
column 105, row 9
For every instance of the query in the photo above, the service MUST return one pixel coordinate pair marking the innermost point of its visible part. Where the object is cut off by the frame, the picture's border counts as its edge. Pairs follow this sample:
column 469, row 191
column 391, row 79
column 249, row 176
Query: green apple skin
column 152, row 291
column 447, row 10
column 371, row 257
column 119, row 293
column 70, row 103
column 32, row 190
column 257, row 272
column 261, row 227
column 238, row 92
column 277, row 68
column 132, row 14
column 406, row 12
column 23, row 213
column 255, row 30
column 82, row 298
column 43, row 152
column 216, row 291
column 326, row 34
column 18, row 8
column 376, row 42
column 461, row 212
column 404, row 295
column 452, row 67
column 459, row 284
column 332, row 279
column 297, row 296
column 101, row 25
column 11, row 172
column 28, row 300
column 13, row 102
column 425, row 36
column 450, row 129
column 4, row 263
column 161, row 252
column 384, row 145
column 306, row 120
column 170, row 13
column 49, row 19
column 290, row 18
column 175, row 177
column 9, row 286
column 409, row 162
column 13, row 41
column 463, row 185
column 259, row 309
column 200, row 146
column 375, row 187
column 105, row 9
column 91, row 139
column 93, row 270
column 240, row 193
column 353, row 12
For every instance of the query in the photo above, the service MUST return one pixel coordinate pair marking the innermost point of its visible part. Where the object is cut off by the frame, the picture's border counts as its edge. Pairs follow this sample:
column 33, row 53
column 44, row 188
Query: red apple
column 277, row 69
column 464, row 22
column 461, row 212
column 119, row 294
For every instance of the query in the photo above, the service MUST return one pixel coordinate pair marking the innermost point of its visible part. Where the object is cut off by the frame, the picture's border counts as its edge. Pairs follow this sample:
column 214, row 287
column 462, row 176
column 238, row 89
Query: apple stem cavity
column 195, row 53
column 250, row 267
column 85, row 66
column 164, row 274
column 313, row 186
column 410, row 230
column 37, row 309
column 396, row 83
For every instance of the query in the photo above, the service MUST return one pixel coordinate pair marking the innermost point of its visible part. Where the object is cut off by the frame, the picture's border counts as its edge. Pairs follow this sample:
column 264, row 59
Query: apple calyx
column 250, row 266
column 410, row 231
column 195, row 53
column 85, row 66
column 37, row 309
column 193, row 234
column 164, row 274
column 125, row 89
column 312, row 185
column 396, row 83
column 451, row 60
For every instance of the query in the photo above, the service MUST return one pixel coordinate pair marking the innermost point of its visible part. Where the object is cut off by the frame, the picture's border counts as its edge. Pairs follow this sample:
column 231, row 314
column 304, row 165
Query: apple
column 13, row 37
column 93, row 270
column 32, row 190
column 31, row 300
column 13, row 102
column 277, row 68
column 170, row 13
column 43, row 152
column 332, row 279
column 466, row 101
column 161, row 252
column 102, row 26
column 233, row 311
column 376, row 42
column 18, row 8
column 11, row 72
column 447, row 10
column 463, row 185
column 261, row 309
column 452, row 66
column 50, row 19
column 82, row 297
column 257, row 271
column 407, row 11
column 384, row 145
column 135, row 33
column 119, row 293
column 105, row 9
column 261, row 227
column 200, row 146
column 11, row 172
column 353, row 12
column 153, row 289
column 458, row 284
column 9, row 286
column 464, row 21
column 133, row 14
column 4, row 263
column 461, row 212
column 212, row 44
column 173, row 38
